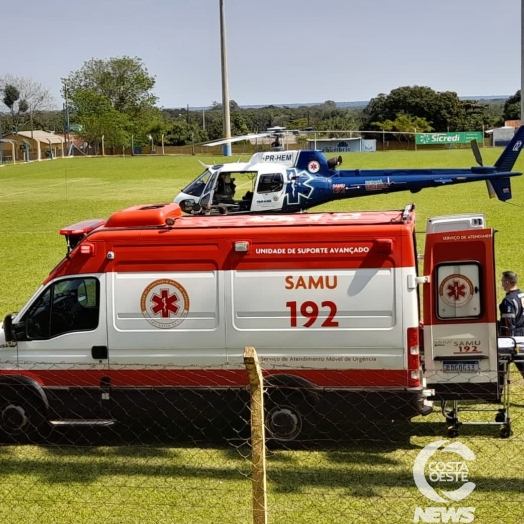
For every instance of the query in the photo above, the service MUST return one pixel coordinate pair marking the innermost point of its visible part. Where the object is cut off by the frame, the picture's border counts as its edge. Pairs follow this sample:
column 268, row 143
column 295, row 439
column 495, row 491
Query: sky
column 278, row 51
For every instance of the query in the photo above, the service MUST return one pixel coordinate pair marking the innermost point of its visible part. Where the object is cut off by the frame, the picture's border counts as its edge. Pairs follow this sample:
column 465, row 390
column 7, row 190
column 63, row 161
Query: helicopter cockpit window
column 197, row 186
column 270, row 183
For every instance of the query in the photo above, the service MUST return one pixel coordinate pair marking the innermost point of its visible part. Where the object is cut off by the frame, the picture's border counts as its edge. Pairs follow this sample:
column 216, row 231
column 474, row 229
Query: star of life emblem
column 456, row 290
column 313, row 166
column 164, row 303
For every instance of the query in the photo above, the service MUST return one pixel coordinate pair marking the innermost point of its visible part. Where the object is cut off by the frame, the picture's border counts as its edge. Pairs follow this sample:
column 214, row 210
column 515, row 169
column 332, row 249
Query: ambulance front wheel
column 20, row 415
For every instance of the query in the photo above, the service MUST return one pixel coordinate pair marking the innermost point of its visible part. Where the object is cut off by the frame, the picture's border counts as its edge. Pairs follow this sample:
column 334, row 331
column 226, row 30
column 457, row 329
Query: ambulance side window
column 65, row 306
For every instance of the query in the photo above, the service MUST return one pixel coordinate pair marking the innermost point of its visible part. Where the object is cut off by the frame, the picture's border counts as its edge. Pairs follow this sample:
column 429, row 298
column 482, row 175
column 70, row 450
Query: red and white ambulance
column 150, row 307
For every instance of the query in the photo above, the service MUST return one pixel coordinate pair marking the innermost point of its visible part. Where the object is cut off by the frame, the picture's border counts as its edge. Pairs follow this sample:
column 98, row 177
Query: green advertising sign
column 459, row 137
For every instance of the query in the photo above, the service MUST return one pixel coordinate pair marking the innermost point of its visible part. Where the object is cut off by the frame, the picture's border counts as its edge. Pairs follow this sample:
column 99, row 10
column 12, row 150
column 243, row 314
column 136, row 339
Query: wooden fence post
column 258, row 437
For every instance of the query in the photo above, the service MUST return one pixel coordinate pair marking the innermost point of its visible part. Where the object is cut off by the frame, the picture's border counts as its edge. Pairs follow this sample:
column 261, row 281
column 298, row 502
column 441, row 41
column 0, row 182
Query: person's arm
column 508, row 315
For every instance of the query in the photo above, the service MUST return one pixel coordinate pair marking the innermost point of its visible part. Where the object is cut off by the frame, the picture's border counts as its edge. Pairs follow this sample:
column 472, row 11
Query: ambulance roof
column 158, row 215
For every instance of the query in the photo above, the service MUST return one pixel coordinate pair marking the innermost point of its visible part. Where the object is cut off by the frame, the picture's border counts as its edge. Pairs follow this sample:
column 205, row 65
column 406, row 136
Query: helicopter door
column 206, row 200
column 269, row 192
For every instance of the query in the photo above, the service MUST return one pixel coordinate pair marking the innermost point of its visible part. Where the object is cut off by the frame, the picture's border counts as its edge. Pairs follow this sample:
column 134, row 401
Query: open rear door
column 460, row 310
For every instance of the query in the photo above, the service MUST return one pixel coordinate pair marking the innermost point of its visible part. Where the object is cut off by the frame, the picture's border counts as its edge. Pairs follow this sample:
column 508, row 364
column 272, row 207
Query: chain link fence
column 191, row 454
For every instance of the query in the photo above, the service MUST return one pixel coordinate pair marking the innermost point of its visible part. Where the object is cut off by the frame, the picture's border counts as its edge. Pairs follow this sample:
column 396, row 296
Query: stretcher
column 490, row 397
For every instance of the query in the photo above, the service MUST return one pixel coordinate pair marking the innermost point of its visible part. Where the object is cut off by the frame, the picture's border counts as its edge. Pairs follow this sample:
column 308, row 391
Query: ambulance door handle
column 99, row 352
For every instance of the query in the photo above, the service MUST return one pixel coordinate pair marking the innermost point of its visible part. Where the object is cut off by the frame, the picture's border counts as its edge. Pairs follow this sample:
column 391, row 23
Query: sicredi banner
column 458, row 137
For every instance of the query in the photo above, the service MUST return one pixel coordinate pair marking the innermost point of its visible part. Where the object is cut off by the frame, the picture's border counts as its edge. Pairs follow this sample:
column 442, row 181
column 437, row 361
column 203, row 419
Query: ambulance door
column 460, row 314
column 62, row 344
column 270, row 190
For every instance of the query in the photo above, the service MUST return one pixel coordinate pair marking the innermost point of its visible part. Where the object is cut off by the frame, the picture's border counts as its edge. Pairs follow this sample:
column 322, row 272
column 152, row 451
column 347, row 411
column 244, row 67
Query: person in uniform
column 512, row 310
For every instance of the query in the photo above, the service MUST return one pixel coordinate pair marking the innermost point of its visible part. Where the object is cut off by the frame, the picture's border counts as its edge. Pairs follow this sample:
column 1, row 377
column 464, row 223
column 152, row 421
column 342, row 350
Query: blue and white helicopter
column 293, row 181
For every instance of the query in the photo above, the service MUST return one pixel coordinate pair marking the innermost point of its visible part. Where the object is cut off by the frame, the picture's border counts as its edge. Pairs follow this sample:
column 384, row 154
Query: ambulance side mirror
column 8, row 328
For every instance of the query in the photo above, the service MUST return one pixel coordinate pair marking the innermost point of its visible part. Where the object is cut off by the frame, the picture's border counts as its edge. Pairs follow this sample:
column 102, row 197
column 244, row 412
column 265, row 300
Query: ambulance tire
column 284, row 416
column 21, row 414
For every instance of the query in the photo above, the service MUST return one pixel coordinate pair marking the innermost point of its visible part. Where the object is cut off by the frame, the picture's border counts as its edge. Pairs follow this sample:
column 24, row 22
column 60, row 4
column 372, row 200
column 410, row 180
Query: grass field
column 363, row 477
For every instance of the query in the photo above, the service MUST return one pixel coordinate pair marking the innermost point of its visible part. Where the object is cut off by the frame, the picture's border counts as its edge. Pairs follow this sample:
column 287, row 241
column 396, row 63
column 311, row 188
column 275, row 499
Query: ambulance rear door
column 459, row 308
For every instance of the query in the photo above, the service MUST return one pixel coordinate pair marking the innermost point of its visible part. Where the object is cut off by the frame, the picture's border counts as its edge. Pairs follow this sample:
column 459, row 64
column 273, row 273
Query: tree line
column 114, row 98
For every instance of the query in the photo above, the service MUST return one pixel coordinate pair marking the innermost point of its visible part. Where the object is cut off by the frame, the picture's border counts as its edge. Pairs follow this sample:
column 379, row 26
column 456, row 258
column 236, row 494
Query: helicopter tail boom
column 509, row 156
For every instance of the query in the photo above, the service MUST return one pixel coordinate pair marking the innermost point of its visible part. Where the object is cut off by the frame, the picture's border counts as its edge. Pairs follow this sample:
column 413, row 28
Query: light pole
column 66, row 112
column 152, row 145
column 226, row 148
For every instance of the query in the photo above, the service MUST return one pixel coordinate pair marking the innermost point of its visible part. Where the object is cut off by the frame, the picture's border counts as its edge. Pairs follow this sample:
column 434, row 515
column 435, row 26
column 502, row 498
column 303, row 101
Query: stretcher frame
column 451, row 409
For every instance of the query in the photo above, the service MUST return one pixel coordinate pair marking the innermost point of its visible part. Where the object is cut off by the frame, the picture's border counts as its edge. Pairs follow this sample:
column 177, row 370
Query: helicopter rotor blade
column 476, row 152
column 236, row 139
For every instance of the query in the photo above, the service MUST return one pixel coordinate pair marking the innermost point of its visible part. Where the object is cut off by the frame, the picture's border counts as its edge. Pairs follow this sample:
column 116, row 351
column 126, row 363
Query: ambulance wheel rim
column 14, row 419
column 284, row 423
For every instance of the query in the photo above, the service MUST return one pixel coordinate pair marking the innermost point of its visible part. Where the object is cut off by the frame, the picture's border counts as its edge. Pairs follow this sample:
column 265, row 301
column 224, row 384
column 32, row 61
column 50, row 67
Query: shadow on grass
column 360, row 470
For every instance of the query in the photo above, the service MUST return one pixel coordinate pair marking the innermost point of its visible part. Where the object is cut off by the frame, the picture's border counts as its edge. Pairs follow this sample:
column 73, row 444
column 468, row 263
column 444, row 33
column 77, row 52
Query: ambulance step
column 82, row 422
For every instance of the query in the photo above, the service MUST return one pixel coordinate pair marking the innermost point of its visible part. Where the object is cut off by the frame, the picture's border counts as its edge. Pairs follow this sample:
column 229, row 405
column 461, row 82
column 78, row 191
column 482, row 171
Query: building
column 31, row 145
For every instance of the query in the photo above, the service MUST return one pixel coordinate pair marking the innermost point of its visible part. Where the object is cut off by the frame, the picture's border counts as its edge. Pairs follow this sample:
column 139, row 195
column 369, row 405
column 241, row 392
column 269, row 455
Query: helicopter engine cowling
column 334, row 162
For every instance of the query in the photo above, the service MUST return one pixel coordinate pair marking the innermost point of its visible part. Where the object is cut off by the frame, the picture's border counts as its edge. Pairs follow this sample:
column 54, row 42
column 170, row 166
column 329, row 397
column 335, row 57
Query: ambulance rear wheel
column 283, row 422
column 284, row 414
column 21, row 413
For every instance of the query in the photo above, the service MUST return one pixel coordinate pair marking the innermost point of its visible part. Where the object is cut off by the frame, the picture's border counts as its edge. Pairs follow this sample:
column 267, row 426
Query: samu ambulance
column 151, row 309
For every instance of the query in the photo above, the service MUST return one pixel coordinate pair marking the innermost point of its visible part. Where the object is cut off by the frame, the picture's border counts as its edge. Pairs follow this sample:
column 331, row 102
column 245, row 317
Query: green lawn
column 365, row 476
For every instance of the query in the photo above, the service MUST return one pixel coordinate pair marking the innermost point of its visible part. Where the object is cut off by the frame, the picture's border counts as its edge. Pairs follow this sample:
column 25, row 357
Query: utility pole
column 66, row 111
column 226, row 148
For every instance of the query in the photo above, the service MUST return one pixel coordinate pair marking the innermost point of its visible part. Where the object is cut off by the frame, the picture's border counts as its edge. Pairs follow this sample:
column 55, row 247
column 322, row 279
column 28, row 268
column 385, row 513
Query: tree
column 123, row 81
column 405, row 126
column 16, row 106
column 512, row 107
column 98, row 119
column 233, row 106
column 443, row 110
column 118, row 89
column 24, row 98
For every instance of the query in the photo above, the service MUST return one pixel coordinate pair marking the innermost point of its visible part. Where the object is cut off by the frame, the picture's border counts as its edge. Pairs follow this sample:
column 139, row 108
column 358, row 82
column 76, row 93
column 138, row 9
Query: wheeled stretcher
column 488, row 396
